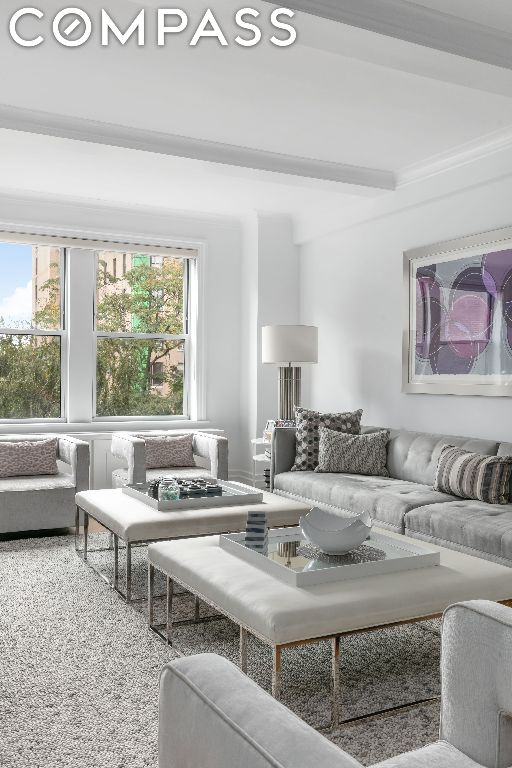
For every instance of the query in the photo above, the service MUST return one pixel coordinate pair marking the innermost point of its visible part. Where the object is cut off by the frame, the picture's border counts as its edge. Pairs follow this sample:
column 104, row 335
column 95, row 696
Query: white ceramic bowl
column 333, row 534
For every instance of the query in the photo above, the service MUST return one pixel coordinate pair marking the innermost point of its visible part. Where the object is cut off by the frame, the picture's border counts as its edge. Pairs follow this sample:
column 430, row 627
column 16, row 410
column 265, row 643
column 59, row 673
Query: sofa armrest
column 212, row 715
column 476, row 668
column 76, row 453
column 282, row 451
column 215, row 449
column 133, row 450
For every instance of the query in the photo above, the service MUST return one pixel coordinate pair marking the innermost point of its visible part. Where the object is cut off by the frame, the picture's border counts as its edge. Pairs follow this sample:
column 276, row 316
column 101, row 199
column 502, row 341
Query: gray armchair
column 208, row 447
column 42, row 502
column 240, row 724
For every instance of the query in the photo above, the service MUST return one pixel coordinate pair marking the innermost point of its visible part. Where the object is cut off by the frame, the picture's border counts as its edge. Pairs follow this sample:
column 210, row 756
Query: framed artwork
column 458, row 316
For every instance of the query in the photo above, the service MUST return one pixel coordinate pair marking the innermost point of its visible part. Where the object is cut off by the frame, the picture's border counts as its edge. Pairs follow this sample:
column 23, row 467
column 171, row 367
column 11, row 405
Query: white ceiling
column 340, row 94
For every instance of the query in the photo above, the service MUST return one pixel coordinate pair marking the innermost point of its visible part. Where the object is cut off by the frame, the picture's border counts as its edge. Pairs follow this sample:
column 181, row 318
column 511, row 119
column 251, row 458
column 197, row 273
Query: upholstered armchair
column 40, row 502
column 240, row 724
column 208, row 448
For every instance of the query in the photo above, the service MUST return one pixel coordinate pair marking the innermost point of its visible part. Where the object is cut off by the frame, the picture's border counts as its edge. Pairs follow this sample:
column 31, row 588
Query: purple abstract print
column 464, row 316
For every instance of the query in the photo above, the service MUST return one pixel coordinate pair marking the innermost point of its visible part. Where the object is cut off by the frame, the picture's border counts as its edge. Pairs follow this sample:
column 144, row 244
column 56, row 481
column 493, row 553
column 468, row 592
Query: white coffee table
column 133, row 522
column 283, row 615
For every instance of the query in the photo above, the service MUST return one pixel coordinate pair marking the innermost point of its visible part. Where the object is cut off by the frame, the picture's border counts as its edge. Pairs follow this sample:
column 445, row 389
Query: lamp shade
column 283, row 344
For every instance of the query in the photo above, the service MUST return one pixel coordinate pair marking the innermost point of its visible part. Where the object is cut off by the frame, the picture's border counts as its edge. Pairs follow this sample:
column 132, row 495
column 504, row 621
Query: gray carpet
column 79, row 669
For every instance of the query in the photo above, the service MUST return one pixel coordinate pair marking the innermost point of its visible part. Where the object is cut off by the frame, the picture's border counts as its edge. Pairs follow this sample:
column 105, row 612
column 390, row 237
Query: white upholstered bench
column 282, row 615
column 133, row 522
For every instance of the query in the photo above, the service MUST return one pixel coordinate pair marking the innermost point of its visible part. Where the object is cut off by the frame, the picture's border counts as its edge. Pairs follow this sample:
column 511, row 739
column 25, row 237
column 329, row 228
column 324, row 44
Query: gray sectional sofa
column 405, row 501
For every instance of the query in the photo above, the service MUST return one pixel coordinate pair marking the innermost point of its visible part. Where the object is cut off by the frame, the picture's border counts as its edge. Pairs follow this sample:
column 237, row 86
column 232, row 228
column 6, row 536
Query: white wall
column 351, row 287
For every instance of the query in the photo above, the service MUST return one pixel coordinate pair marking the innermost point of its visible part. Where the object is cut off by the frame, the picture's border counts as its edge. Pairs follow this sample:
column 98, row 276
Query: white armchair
column 45, row 501
column 208, row 448
column 240, row 724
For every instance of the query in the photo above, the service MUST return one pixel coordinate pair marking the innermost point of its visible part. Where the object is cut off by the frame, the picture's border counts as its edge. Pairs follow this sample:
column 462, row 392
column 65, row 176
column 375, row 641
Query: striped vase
column 256, row 534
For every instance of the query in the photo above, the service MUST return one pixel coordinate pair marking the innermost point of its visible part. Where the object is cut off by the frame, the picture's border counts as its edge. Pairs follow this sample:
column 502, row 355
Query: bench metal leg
column 116, row 562
column 336, row 694
column 128, row 572
column 276, row 672
column 77, row 527
column 168, row 621
column 243, row 649
column 151, row 581
column 86, row 533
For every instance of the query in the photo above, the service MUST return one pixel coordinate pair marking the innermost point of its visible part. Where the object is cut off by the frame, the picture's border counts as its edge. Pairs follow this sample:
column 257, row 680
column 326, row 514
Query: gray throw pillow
column 474, row 476
column 353, row 454
column 307, row 436
column 168, row 451
column 24, row 458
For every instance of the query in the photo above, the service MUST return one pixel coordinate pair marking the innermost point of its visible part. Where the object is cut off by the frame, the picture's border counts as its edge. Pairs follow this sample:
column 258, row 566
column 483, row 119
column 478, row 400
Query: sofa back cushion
column 168, row 451
column 413, row 456
column 22, row 458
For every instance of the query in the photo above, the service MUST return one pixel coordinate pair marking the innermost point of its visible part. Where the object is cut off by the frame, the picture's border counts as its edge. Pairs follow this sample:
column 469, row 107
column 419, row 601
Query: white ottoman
column 134, row 522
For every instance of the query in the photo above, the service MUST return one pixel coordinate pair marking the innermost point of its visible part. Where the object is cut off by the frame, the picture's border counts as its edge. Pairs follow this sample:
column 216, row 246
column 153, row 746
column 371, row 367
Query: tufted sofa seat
column 387, row 499
column 405, row 501
column 469, row 526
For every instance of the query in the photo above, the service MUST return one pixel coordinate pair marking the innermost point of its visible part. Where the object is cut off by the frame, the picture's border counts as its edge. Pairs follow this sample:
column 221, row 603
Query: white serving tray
column 233, row 495
column 302, row 572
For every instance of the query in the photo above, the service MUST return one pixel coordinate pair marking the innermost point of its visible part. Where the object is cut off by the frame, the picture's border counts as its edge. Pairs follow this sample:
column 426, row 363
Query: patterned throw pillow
column 167, row 451
column 354, row 454
column 473, row 476
column 308, row 423
column 28, row 457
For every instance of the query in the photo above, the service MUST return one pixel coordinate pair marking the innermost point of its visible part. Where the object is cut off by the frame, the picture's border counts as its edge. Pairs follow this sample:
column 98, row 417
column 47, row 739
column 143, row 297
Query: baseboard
column 241, row 476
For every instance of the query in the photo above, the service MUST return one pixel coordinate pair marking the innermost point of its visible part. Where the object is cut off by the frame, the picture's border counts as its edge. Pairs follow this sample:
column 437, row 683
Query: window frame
column 61, row 333
column 191, row 251
column 184, row 337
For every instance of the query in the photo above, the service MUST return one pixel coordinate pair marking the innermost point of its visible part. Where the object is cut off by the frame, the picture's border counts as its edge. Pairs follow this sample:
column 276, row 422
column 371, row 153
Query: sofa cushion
column 37, row 483
column 307, row 436
column 356, row 454
column 473, row 525
column 386, row 499
column 413, row 456
column 22, row 458
column 473, row 476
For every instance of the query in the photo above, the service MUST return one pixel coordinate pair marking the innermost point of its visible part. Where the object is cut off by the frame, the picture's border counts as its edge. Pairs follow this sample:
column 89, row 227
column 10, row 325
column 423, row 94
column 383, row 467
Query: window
column 122, row 342
column 31, row 331
column 141, row 328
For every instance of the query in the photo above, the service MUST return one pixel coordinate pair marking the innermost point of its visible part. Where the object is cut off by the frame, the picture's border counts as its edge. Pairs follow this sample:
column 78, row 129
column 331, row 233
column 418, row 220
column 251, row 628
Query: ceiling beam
column 415, row 23
column 81, row 129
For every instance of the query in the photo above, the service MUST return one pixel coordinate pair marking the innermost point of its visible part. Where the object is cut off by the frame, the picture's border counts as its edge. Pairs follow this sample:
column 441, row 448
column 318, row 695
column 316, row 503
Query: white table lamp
column 289, row 346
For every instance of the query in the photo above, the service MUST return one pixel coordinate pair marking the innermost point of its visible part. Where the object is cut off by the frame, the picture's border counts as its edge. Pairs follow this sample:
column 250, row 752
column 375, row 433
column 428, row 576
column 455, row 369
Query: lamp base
column 289, row 391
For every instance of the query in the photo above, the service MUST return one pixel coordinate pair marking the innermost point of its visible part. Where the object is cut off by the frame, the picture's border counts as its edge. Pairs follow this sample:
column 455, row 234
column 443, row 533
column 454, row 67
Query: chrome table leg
column 116, row 562
column 168, row 621
column 151, row 581
column 86, row 533
column 243, row 649
column 128, row 572
column 77, row 527
column 276, row 672
column 335, row 674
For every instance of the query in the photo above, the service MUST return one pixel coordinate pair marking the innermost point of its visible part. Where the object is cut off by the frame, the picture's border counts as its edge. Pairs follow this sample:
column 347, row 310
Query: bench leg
column 116, row 562
column 170, row 591
column 151, row 581
column 197, row 603
column 86, row 533
column 243, row 650
column 77, row 527
column 128, row 572
column 336, row 703
column 276, row 672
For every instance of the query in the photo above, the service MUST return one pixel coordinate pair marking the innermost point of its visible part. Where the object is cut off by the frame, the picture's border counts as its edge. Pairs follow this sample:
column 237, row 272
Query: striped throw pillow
column 473, row 476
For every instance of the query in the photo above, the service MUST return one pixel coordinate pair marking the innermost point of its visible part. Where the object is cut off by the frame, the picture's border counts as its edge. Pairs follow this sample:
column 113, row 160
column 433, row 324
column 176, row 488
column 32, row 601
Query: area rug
column 79, row 668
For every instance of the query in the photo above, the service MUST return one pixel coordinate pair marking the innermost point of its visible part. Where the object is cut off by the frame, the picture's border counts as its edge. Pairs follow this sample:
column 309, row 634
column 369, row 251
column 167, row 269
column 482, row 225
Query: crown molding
column 480, row 149
column 415, row 23
column 82, row 129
